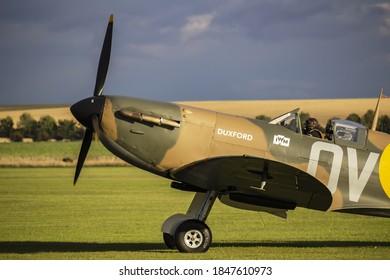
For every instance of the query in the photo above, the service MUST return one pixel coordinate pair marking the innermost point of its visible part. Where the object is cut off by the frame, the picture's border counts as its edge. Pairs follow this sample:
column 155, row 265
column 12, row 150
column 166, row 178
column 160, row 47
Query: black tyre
column 193, row 236
column 169, row 240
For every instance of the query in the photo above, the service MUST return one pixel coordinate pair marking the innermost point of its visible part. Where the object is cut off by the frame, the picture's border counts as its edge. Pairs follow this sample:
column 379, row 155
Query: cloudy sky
column 176, row 50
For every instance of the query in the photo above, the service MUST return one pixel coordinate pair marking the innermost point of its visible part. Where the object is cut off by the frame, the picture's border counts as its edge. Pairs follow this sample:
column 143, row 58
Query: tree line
column 44, row 129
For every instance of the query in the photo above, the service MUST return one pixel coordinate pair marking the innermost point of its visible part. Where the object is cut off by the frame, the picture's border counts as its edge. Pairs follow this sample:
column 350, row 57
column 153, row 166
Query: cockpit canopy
column 290, row 120
column 347, row 133
column 342, row 132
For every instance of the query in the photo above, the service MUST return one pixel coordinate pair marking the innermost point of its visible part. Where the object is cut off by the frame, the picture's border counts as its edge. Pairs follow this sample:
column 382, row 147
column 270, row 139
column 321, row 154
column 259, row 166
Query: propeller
column 87, row 111
column 104, row 60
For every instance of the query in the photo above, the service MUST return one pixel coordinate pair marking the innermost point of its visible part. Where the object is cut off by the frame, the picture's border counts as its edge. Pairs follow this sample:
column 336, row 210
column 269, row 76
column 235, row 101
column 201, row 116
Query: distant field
column 54, row 154
column 322, row 109
column 58, row 112
column 117, row 212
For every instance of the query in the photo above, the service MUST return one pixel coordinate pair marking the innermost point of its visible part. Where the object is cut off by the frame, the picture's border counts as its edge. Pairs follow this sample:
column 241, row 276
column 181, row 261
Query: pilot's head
column 311, row 123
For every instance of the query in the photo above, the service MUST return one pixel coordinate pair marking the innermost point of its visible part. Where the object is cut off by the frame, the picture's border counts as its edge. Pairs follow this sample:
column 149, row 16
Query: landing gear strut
column 188, row 232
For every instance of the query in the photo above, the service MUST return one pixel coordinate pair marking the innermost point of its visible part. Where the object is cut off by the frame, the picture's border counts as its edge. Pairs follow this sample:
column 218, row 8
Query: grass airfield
column 116, row 213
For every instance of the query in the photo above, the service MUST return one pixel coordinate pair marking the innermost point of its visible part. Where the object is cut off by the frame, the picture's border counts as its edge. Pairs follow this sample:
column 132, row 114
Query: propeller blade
column 86, row 110
column 104, row 59
column 83, row 153
column 95, row 124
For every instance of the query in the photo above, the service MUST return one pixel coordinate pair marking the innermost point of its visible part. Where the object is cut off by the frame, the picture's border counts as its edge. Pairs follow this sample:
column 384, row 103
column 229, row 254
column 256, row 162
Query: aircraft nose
column 84, row 109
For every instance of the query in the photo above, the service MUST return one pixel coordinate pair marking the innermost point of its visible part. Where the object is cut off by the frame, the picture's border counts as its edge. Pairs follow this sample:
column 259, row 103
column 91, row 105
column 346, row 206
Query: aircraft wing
column 240, row 180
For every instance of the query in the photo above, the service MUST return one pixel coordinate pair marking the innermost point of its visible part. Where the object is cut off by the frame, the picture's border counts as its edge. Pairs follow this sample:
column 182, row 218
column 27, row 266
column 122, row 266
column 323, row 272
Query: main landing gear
column 188, row 232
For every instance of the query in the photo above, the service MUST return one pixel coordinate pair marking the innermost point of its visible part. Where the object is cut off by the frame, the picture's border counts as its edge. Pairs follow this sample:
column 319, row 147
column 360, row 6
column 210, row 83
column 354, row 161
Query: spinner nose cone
column 84, row 109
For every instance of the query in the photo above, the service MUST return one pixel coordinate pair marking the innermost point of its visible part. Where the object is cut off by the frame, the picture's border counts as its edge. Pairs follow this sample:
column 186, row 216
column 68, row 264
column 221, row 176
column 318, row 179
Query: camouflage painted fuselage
column 252, row 164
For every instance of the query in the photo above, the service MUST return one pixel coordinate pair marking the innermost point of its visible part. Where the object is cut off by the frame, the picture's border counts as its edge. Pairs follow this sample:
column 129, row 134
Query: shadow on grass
column 25, row 247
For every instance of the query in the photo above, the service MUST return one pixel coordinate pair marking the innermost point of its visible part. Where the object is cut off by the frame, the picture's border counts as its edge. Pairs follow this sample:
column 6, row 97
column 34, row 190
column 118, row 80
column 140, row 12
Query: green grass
column 18, row 154
column 117, row 212
column 50, row 149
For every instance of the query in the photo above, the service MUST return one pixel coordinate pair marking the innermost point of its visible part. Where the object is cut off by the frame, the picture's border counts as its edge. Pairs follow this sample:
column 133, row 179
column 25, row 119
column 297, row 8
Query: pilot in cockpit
column 312, row 128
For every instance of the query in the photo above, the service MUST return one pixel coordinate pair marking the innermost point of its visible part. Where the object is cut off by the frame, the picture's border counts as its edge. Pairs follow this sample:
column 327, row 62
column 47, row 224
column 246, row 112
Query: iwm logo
column 281, row 140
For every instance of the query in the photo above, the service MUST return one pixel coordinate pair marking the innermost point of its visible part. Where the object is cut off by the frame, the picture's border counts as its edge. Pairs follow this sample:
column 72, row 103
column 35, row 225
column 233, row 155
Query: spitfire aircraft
column 268, row 166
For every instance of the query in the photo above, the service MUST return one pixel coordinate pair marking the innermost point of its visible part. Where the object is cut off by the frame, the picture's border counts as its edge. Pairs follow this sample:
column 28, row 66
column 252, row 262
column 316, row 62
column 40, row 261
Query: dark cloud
column 187, row 50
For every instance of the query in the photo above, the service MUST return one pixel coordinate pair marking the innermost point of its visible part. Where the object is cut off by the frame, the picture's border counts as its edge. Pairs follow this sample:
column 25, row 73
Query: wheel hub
column 193, row 238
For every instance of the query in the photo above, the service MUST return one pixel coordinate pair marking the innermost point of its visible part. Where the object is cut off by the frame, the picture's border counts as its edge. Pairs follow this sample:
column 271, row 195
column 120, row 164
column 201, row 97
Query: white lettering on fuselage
column 234, row 134
column 281, row 140
column 357, row 182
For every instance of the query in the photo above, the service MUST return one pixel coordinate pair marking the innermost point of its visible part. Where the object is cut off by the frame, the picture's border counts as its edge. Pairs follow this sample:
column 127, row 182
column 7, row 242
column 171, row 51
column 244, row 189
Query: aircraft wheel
column 169, row 240
column 193, row 236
